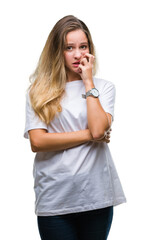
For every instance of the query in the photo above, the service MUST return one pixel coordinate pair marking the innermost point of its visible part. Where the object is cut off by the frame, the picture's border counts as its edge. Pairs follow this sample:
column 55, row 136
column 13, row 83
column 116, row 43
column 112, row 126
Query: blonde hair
column 50, row 77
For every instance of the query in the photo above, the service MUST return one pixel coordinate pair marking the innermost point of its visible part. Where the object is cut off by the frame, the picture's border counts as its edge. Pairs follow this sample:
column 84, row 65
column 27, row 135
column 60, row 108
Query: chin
column 74, row 73
column 78, row 71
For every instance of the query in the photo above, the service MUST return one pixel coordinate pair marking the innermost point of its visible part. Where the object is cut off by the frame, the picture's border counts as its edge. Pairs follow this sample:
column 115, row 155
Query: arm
column 42, row 141
column 99, row 122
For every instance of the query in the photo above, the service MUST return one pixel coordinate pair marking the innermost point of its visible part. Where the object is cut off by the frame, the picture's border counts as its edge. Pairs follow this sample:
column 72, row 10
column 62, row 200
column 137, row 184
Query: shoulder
column 103, row 85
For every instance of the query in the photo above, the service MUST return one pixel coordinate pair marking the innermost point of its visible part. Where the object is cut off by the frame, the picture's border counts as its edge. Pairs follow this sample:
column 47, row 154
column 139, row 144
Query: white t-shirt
column 81, row 178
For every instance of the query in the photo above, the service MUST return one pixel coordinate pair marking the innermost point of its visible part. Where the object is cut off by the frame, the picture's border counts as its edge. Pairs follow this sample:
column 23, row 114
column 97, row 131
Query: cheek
column 85, row 51
column 88, row 51
column 67, row 58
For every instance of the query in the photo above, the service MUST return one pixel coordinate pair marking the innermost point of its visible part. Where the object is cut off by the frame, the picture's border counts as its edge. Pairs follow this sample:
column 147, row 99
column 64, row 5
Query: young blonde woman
column 69, row 114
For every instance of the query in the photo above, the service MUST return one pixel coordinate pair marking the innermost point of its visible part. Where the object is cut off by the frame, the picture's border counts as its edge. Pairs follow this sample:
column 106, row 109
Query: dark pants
column 90, row 225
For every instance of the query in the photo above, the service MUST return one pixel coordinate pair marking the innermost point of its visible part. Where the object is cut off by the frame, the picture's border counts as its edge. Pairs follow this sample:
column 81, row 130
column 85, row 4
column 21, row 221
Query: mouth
column 76, row 64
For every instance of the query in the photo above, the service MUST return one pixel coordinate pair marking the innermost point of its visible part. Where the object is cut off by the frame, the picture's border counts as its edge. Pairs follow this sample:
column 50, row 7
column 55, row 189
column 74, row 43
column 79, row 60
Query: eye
column 84, row 47
column 69, row 48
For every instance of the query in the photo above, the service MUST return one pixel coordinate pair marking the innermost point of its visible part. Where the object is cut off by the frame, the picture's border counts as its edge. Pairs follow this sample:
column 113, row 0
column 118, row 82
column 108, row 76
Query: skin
column 79, row 64
column 77, row 51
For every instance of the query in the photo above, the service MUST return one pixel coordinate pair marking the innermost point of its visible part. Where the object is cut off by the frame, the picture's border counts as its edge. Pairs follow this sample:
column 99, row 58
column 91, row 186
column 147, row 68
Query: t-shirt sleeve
column 107, row 98
column 32, row 120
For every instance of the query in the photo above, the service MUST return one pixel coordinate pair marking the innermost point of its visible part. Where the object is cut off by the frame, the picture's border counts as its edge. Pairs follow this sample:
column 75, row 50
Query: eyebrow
column 74, row 43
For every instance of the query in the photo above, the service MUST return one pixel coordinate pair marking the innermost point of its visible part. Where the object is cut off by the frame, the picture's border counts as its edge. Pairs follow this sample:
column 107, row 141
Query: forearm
column 98, row 122
column 41, row 141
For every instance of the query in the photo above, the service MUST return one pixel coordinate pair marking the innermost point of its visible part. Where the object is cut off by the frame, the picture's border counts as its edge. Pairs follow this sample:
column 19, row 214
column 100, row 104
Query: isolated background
column 121, row 34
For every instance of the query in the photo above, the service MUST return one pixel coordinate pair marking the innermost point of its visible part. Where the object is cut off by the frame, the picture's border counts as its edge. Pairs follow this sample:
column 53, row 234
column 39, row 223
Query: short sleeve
column 107, row 98
column 32, row 120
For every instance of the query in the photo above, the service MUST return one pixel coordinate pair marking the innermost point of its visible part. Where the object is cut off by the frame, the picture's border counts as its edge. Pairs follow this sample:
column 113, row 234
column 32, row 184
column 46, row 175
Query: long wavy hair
column 49, row 78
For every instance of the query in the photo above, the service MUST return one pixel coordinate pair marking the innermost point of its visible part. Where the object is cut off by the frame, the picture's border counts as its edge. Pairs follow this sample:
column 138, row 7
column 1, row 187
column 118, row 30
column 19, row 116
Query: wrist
column 89, row 85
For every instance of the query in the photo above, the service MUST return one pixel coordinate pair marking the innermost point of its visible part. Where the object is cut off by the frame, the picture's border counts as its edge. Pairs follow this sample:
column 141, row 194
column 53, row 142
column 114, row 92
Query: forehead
column 76, row 36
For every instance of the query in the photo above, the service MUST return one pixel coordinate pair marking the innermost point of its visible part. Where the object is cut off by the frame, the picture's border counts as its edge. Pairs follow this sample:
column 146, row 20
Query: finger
column 90, row 57
column 108, row 132
column 79, row 70
column 110, row 129
column 107, row 137
column 84, row 61
column 107, row 140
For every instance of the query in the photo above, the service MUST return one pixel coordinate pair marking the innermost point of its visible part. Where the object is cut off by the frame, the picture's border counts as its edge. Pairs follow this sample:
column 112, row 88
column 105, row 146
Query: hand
column 106, row 138
column 86, row 67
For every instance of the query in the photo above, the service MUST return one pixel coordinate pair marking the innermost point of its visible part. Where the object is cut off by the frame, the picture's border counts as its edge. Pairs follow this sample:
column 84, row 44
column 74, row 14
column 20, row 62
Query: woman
column 68, row 118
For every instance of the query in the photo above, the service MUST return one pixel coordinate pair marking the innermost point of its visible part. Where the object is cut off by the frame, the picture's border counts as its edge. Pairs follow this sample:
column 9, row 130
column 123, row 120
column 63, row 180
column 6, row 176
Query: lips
column 76, row 64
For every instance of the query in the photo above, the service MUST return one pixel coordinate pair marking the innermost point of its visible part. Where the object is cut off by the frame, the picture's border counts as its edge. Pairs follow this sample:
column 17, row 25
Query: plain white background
column 120, row 31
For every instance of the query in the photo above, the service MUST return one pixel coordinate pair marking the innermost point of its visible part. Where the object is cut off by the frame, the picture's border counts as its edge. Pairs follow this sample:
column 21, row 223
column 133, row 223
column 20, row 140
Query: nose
column 77, row 54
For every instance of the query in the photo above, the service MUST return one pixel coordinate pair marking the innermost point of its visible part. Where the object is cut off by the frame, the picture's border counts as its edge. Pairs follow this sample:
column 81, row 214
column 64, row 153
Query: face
column 75, row 49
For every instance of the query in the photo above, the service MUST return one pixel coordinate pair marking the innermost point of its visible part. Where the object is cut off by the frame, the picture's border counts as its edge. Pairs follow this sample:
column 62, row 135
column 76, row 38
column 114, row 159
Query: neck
column 72, row 76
